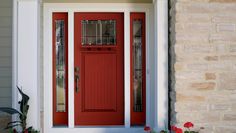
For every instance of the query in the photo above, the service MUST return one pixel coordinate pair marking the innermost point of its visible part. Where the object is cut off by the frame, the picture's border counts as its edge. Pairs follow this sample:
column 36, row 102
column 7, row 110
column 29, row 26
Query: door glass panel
column 60, row 67
column 98, row 32
column 137, row 65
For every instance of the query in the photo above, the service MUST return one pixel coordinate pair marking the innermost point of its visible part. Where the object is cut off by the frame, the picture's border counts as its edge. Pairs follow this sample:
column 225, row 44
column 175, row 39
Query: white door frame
column 161, row 61
column 49, row 8
column 26, row 56
column 157, row 37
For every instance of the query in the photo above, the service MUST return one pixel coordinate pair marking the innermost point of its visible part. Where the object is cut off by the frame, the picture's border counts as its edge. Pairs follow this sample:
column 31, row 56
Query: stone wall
column 203, row 64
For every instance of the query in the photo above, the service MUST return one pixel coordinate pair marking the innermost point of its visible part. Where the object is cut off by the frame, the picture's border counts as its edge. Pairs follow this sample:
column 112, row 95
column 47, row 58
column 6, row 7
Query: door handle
column 76, row 79
column 76, row 83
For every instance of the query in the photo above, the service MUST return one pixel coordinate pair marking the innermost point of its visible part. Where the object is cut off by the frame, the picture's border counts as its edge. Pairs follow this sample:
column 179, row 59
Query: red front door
column 99, row 68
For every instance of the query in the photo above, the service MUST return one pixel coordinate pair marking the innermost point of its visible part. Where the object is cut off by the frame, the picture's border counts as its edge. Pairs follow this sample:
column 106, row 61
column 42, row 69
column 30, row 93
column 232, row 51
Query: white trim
column 95, row 130
column 155, row 62
column 127, row 67
column 71, row 68
column 161, row 30
column 47, row 59
column 27, row 56
column 38, row 91
column 14, row 55
column 148, row 86
column 90, row 7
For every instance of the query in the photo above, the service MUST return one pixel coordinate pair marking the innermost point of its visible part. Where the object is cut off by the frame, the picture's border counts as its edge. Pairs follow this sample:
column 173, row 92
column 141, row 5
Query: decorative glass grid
column 98, row 32
column 60, row 66
column 137, row 65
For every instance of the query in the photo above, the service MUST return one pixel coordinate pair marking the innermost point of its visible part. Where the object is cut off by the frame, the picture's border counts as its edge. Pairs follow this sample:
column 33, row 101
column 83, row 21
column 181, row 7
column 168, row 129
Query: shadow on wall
column 172, row 60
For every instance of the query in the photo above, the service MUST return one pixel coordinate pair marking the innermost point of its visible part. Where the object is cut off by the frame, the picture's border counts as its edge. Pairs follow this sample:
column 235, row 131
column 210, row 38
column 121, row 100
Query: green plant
column 22, row 114
column 164, row 131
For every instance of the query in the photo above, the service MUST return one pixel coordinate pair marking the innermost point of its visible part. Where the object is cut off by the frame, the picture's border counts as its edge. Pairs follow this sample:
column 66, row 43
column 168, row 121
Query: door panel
column 99, row 81
column 99, row 73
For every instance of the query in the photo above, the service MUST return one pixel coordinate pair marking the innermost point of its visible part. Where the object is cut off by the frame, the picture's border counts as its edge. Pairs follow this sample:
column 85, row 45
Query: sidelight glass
column 137, row 65
column 98, row 32
column 60, row 66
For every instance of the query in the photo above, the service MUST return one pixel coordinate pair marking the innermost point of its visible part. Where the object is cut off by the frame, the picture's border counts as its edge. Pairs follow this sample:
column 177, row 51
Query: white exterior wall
column 26, row 56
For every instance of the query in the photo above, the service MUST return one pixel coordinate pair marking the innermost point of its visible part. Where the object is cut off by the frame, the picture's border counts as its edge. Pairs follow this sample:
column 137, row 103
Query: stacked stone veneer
column 203, row 64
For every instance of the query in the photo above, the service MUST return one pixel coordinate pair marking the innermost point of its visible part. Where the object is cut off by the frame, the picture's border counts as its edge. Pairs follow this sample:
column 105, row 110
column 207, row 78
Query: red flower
column 174, row 128
column 147, row 128
column 188, row 124
column 14, row 130
column 179, row 130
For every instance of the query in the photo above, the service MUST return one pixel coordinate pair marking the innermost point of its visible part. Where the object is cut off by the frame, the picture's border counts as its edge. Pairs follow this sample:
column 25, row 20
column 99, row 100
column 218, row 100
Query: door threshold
column 112, row 126
column 60, row 126
column 93, row 129
column 107, row 126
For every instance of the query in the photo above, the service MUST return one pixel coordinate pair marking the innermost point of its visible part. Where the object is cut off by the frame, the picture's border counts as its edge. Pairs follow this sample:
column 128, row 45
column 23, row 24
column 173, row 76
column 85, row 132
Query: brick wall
column 203, row 63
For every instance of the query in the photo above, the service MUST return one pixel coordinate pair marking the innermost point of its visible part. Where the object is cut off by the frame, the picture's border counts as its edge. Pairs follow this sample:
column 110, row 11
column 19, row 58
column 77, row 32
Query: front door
column 99, row 68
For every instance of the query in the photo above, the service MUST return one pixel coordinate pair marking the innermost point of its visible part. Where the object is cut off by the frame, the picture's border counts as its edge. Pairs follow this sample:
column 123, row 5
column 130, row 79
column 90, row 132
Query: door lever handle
column 76, row 79
column 76, row 83
column 76, row 69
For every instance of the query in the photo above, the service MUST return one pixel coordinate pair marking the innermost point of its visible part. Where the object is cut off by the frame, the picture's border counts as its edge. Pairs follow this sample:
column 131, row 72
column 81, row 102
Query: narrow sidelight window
column 60, row 69
column 138, row 84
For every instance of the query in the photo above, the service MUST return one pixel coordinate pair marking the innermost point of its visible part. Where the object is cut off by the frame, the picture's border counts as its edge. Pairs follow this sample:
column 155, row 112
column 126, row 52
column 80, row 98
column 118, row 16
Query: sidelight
column 138, row 74
column 60, row 66
column 60, row 69
column 137, row 65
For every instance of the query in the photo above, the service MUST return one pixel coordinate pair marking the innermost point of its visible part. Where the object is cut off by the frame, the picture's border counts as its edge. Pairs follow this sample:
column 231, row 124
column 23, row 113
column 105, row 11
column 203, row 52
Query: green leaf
column 186, row 132
column 9, row 127
column 11, row 130
column 13, row 122
column 24, row 101
column 29, row 128
column 10, row 111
